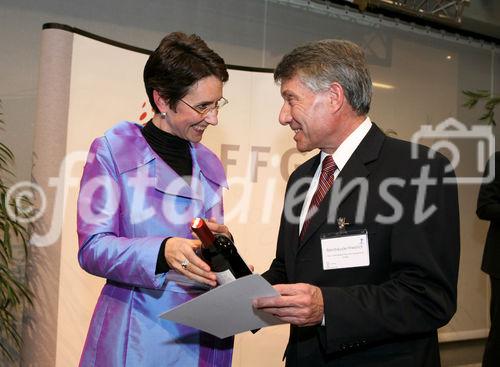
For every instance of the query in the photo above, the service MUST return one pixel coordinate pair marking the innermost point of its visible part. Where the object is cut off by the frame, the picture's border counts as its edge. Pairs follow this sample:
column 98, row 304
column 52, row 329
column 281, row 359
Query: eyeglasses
column 205, row 108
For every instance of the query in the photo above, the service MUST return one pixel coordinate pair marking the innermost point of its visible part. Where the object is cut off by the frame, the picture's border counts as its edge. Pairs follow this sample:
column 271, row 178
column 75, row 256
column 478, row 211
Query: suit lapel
column 347, row 182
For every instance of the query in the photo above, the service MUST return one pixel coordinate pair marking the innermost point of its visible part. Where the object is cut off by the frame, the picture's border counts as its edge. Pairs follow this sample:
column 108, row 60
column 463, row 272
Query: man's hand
column 298, row 304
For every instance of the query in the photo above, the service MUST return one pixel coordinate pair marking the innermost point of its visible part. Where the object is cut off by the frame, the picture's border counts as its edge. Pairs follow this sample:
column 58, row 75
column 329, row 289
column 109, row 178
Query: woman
column 140, row 189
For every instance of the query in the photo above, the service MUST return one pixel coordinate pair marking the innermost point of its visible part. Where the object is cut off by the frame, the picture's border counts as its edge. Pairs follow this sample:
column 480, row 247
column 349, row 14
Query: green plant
column 12, row 291
column 491, row 101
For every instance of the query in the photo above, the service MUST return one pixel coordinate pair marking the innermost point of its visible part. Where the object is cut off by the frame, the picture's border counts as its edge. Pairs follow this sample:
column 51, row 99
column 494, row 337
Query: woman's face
column 186, row 122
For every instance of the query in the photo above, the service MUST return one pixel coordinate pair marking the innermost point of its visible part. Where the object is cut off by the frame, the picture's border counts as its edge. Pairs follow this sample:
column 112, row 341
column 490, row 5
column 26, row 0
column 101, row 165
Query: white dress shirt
column 340, row 157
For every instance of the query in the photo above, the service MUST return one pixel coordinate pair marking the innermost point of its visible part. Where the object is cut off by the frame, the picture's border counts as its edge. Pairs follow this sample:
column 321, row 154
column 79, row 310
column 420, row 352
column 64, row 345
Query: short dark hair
column 319, row 64
column 178, row 63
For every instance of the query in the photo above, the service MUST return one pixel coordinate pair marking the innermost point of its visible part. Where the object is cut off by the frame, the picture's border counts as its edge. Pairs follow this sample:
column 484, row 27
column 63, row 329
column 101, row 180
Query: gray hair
column 321, row 63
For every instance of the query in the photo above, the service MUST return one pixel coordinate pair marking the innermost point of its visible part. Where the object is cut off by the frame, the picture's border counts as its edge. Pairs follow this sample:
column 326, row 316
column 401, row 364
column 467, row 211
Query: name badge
column 346, row 249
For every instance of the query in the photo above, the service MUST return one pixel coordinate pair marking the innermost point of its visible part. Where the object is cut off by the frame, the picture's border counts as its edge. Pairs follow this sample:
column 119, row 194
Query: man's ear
column 337, row 97
column 161, row 104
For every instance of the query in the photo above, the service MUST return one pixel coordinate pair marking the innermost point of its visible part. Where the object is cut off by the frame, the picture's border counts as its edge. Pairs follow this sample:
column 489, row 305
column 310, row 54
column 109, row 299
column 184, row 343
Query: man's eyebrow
column 287, row 94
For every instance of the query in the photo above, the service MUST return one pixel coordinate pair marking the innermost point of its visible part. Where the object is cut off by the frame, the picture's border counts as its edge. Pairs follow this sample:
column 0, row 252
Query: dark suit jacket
column 385, row 314
column 488, row 208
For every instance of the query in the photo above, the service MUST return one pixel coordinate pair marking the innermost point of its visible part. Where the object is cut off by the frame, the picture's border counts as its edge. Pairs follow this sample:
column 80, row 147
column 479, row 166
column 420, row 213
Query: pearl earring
column 163, row 115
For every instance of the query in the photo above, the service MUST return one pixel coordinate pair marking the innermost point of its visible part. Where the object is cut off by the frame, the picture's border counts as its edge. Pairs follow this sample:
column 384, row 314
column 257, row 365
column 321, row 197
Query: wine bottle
column 220, row 253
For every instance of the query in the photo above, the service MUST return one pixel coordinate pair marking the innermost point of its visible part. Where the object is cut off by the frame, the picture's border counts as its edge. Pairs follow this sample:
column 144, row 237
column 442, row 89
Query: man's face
column 309, row 114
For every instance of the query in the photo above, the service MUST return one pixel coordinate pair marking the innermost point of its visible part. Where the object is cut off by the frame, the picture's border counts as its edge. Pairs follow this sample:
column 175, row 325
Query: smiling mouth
column 199, row 129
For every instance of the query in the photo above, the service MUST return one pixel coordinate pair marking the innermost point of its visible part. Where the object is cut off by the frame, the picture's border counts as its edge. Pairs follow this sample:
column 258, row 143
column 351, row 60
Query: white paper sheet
column 227, row 310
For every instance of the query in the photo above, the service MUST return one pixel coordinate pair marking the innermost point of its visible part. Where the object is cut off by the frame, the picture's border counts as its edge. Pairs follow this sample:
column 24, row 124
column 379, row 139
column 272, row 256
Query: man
column 488, row 208
column 368, row 271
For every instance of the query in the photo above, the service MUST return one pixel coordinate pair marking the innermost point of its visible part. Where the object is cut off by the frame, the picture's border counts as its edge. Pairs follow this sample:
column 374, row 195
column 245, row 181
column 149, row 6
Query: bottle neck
column 203, row 232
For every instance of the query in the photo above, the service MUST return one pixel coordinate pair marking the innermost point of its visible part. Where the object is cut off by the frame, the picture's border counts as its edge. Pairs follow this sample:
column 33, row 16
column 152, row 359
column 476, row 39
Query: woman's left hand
column 180, row 256
column 221, row 229
column 217, row 228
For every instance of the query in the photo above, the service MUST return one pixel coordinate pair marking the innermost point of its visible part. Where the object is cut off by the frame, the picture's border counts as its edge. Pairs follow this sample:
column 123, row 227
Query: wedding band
column 185, row 263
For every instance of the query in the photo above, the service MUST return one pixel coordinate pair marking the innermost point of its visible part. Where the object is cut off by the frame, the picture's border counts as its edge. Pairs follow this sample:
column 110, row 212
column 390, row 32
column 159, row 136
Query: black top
column 172, row 149
column 176, row 153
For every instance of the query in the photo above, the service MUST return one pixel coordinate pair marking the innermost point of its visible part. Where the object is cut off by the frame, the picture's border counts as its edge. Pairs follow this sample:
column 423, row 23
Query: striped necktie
column 325, row 183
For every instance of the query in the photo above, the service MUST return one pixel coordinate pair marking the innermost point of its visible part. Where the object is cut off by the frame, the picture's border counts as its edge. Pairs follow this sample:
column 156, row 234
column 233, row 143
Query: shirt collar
column 349, row 145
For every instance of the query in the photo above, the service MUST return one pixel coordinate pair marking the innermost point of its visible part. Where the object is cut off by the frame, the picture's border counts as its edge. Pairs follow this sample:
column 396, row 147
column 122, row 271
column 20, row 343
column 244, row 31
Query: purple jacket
column 130, row 200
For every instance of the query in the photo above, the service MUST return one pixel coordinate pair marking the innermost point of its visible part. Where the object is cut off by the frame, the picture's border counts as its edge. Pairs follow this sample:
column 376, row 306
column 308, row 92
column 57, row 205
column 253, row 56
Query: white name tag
column 349, row 250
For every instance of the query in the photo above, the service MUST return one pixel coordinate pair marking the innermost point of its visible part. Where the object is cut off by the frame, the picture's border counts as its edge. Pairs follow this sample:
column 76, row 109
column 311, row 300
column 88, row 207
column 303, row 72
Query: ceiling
column 475, row 18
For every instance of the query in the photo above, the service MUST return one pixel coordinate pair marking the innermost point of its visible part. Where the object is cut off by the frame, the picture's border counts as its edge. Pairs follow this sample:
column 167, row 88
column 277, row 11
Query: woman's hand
column 180, row 255
column 220, row 229
column 216, row 228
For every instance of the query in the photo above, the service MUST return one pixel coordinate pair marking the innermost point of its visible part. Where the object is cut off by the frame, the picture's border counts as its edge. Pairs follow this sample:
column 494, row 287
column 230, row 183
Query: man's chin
column 303, row 149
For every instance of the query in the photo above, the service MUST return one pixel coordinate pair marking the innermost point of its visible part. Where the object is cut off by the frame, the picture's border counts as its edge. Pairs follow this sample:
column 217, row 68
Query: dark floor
column 462, row 353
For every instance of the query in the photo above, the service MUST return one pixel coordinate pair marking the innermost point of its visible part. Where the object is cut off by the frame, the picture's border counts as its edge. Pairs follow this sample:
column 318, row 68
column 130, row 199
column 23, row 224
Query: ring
column 185, row 263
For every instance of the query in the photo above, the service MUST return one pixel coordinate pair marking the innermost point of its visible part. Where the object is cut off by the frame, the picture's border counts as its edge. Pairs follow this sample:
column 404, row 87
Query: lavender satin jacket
column 130, row 200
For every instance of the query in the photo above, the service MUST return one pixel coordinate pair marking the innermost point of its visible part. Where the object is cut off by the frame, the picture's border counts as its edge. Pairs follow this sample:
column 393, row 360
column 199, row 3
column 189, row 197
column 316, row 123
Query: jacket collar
column 130, row 151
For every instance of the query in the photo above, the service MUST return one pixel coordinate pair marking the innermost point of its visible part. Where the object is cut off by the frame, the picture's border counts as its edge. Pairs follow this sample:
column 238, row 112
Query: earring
column 163, row 115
